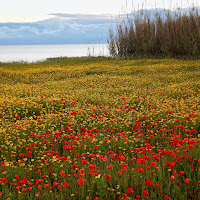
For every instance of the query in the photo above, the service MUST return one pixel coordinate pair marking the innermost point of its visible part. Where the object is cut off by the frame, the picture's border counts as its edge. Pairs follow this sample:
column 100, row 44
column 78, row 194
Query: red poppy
column 175, row 173
column 124, row 196
column 47, row 186
column 30, row 184
column 178, row 183
column 23, row 190
column 166, row 197
column 153, row 163
column 130, row 190
column 108, row 167
column 82, row 174
column 148, row 182
column 156, row 185
column 81, row 182
column 4, row 179
column 140, row 169
column 186, row 180
column 55, row 184
column 182, row 172
column 17, row 177
column 74, row 165
column 145, row 192
column 110, row 152
column 39, row 186
column 108, row 176
column 65, row 184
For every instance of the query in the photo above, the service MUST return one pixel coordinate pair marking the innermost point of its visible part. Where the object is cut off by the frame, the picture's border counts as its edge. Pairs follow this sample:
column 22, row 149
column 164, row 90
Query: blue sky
column 67, row 22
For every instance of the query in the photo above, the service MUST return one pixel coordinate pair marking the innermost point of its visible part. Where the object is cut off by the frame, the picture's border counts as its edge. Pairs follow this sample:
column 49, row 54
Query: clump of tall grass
column 162, row 33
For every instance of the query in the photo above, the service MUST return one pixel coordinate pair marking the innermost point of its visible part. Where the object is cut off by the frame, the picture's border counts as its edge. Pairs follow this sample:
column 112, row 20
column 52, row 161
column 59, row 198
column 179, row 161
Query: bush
column 157, row 33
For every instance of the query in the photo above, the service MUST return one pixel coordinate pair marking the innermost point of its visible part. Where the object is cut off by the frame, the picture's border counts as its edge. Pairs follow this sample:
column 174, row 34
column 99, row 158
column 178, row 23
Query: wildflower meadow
column 100, row 129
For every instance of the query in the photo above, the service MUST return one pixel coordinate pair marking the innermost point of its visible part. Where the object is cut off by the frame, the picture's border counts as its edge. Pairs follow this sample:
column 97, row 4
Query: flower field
column 99, row 128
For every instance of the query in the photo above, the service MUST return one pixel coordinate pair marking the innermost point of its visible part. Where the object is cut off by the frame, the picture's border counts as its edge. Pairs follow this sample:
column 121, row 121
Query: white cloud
column 56, row 29
column 82, row 16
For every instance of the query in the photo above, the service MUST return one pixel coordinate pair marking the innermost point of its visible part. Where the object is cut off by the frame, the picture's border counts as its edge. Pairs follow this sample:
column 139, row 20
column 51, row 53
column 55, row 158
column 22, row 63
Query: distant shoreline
column 38, row 53
column 51, row 44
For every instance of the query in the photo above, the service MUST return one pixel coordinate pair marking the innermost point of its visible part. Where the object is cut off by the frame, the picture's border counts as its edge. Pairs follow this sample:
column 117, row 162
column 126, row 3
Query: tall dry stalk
column 174, row 34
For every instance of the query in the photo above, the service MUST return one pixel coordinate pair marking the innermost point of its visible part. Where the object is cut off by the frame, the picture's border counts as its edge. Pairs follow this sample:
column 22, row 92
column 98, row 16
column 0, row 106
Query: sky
column 67, row 21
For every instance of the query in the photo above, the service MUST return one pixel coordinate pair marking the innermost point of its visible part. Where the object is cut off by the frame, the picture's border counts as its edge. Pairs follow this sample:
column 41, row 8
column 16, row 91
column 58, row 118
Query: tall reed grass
column 157, row 33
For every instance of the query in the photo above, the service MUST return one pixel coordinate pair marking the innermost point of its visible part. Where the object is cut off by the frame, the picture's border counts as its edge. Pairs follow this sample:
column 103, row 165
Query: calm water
column 33, row 53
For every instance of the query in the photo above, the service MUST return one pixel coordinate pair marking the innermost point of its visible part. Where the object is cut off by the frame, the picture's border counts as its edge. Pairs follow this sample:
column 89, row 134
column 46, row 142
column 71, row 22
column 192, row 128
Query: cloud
column 82, row 16
column 59, row 29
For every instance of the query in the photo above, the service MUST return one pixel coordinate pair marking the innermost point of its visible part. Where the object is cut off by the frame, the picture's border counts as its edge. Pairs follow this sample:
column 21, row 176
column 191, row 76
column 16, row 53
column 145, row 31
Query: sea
column 35, row 53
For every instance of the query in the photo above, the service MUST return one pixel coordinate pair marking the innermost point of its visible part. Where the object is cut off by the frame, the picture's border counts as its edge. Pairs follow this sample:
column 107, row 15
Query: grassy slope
column 136, row 77
column 167, row 84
